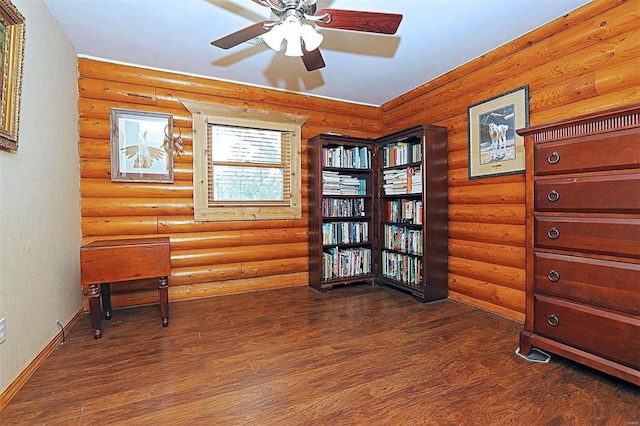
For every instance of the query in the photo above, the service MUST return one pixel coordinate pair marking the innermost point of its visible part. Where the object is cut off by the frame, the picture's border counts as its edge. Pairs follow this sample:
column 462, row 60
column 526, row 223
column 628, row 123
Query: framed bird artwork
column 139, row 148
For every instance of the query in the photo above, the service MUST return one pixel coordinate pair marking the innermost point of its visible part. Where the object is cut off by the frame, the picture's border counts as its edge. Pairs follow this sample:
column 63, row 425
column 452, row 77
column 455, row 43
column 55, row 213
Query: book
column 348, row 158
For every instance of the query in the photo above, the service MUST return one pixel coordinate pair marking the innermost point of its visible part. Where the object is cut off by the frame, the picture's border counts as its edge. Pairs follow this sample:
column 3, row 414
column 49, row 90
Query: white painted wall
column 40, row 198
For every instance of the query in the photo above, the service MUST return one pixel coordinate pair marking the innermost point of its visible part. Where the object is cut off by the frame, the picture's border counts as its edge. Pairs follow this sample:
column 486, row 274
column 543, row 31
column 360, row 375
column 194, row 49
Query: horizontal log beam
column 505, row 297
column 185, row 223
column 458, row 177
column 488, row 233
column 506, row 276
column 102, row 188
column 458, row 159
column 236, row 254
column 626, row 96
column 207, row 289
column 490, row 307
column 508, row 214
column 508, row 193
column 135, row 206
column 236, row 271
column 498, row 254
column 275, row 267
column 118, row 226
column 116, row 91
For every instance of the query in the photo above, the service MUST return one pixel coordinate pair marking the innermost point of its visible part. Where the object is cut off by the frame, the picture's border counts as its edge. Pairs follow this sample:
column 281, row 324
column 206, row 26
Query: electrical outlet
column 2, row 337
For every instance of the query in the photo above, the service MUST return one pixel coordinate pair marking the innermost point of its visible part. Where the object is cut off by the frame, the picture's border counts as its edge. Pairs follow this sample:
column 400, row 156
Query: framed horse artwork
column 494, row 146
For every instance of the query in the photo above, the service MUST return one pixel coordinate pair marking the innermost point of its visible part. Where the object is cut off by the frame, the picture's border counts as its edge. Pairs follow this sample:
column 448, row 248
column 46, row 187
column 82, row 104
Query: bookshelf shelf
column 387, row 200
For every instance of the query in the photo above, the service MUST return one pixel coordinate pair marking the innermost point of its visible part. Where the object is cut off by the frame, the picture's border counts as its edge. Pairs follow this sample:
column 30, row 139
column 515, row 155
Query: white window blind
column 248, row 165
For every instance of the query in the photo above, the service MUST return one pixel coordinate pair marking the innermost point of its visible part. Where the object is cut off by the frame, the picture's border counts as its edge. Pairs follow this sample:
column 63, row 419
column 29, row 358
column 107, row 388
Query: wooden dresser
column 583, row 241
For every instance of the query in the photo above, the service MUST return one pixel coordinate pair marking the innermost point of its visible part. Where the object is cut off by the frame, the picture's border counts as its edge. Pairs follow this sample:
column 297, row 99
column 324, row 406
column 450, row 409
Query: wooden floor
column 355, row 356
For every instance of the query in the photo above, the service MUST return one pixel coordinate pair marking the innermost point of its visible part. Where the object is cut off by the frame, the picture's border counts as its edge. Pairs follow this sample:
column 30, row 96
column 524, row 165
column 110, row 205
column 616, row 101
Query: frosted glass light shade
column 292, row 29
column 294, row 48
column 274, row 37
column 311, row 38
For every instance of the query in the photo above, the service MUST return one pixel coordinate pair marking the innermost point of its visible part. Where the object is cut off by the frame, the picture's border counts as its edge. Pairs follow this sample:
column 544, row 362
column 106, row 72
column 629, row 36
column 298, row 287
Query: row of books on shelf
column 345, row 233
column 343, row 207
column 407, row 211
column 343, row 263
column 335, row 183
column 401, row 153
column 406, row 269
column 402, row 181
column 400, row 238
column 351, row 158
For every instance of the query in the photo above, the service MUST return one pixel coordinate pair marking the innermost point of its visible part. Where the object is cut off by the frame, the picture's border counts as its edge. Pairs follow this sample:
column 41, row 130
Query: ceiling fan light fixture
column 295, row 33
column 295, row 21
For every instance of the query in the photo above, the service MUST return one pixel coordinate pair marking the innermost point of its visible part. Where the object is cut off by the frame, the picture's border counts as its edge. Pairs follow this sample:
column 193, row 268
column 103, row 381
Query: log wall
column 206, row 258
column 586, row 61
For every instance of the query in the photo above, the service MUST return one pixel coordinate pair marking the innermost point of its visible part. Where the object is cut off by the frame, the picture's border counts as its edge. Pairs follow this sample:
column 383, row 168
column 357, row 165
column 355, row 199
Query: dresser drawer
column 615, row 236
column 609, row 335
column 608, row 151
column 610, row 193
column 599, row 282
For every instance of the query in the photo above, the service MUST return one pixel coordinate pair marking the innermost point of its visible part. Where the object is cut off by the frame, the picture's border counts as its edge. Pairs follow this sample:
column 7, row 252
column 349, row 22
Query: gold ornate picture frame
column 12, row 30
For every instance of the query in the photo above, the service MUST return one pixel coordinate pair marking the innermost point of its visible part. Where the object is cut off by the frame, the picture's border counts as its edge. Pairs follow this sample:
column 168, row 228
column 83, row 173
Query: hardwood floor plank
column 356, row 355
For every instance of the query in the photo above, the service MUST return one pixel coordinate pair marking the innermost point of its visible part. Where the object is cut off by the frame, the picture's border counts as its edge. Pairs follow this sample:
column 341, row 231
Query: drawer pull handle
column 553, row 320
column 554, row 276
column 553, row 234
column 554, row 157
column 553, row 196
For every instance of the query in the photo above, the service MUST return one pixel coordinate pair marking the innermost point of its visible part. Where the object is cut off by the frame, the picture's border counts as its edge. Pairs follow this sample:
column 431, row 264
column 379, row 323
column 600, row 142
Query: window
column 246, row 164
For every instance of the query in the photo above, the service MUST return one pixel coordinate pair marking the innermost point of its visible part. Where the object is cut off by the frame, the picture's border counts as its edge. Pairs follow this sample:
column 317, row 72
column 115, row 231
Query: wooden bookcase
column 404, row 209
column 341, row 210
column 412, row 229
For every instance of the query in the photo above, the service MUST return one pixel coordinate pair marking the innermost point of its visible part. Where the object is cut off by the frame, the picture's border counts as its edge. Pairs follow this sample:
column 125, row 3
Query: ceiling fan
column 295, row 20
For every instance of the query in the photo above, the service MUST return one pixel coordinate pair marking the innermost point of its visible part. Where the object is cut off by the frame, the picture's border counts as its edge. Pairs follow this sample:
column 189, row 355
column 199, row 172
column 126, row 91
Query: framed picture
column 12, row 29
column 494, row 146
column 141, row 148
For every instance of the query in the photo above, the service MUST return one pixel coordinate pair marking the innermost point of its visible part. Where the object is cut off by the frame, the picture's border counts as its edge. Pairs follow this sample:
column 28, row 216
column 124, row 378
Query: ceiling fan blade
column 240, row 36
column 313, row 60
column 355, row 20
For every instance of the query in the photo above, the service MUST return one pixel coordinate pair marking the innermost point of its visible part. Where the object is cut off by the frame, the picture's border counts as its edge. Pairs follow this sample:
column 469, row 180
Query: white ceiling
column 435, row 36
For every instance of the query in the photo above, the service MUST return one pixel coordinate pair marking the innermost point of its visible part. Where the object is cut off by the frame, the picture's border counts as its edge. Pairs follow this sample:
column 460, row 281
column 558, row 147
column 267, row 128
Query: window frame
column 206, row 114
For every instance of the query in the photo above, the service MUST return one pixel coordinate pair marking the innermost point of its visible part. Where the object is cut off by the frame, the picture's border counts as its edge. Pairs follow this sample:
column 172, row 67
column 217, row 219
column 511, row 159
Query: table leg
column 94, row 309
column 105, row 291
column 163, row 294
